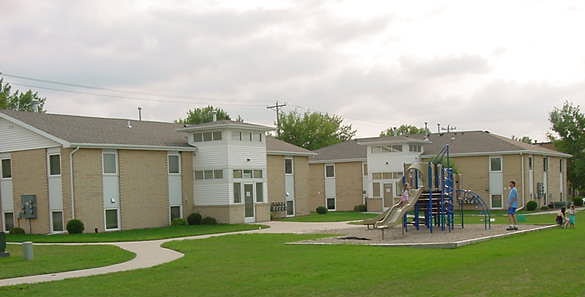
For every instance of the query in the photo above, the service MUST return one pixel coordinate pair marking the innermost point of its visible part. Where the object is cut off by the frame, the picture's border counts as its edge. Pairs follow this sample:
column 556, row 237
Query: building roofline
column 289, row 153
column 338, row 161
column 515, row 152
column 134, row 147
column 35, row 130
column 219, row 125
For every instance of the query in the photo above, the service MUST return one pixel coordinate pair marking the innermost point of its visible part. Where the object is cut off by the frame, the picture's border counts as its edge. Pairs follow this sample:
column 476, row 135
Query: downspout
column 523, row 184
column 71, row 182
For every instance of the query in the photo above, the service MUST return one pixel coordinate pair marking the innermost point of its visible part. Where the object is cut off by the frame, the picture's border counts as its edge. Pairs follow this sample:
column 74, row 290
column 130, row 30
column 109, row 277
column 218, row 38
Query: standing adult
column 512, row 206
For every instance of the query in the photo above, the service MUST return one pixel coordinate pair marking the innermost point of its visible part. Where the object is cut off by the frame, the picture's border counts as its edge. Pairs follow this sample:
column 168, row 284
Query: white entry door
column 249, row 203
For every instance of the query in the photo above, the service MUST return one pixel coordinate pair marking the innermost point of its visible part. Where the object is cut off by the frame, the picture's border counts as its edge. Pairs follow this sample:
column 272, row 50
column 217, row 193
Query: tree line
column 314, row 130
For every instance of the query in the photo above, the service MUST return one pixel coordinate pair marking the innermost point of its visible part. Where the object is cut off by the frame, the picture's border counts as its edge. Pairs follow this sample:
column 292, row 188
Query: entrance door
column 249, row 203
column 388, row 195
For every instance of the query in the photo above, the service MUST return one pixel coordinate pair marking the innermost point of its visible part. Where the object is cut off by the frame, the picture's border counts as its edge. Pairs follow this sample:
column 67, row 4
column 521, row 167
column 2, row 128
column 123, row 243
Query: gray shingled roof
column 278, row 147
column 91, row 130
column 225, row 123
column 468, row 142
column 108, row 131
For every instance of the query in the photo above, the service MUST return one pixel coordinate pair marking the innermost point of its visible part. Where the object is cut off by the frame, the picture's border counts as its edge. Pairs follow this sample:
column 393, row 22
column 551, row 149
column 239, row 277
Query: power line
column 277, row 107
column 75, row 85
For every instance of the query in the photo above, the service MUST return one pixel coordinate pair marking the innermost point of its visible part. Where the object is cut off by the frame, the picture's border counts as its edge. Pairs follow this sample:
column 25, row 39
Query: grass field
column 332, row 216
column 545, row 263
column 49, row 259
column 134, row 235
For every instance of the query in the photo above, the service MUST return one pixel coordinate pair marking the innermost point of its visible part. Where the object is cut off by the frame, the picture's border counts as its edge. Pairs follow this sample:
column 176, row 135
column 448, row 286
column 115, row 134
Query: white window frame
column 4, row 220
column 256, row 192
column 169, row 155
column 491, row 200
column 49, row 164
column 62, row 221
column 325, row 171
column 170, row 212
column 334, row 203
column 234, row 193
column 292, row 166
column 501, row 163
column 115, row 153
column 118, row 218
column 2, row 172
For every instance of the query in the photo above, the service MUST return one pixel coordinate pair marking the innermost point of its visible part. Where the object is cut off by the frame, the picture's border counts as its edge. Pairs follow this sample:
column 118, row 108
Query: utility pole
column 276, row 107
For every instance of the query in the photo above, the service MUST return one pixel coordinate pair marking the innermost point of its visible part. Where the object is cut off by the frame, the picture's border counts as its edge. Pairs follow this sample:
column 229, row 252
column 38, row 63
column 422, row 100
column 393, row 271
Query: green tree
column 568, row 125
column 203, row 115
column 313, row 130
column 403, row 130
column 27, row 101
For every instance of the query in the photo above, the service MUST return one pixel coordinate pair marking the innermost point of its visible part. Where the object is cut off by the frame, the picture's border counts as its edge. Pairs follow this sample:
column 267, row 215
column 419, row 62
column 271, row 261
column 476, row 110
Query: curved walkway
column 151, row 253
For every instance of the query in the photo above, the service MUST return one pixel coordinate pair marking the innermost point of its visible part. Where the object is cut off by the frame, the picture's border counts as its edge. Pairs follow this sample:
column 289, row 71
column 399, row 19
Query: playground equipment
column 432, row 203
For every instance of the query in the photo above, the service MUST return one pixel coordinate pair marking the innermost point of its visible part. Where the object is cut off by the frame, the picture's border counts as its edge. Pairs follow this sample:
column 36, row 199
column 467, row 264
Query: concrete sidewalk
column 151, row 253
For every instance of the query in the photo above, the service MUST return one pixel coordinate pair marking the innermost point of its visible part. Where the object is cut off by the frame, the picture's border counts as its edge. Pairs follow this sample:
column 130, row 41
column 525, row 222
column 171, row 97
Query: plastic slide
column 394, row 215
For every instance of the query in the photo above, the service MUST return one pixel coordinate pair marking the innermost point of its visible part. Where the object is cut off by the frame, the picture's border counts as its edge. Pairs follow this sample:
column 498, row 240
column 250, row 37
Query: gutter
column 71, row 182
column 523, row 184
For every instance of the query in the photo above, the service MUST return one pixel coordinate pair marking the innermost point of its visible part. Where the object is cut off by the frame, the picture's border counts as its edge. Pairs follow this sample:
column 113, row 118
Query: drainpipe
column 71, row 182
column 523, row 184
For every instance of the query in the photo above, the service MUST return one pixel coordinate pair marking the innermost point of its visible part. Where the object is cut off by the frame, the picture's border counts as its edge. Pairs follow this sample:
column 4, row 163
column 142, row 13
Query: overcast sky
column 492, row 65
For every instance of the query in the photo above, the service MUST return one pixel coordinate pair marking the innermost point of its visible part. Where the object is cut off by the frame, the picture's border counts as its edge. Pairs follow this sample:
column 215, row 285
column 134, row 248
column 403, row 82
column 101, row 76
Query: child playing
column 404, row 198
column 561, row 217
column 571, row 212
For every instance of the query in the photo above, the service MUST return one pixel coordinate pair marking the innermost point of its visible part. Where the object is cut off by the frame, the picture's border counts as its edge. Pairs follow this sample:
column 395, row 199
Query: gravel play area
column 422, row 238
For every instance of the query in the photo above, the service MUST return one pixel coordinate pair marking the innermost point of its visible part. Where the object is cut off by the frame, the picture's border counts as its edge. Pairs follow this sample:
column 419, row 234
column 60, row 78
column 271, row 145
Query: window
column 247, row 173
column 174, row 166
column 257, row 173
column 246, row 136
column 331, row 203
column 365, row 169
column 110, row 163
column 237, row 173
column 415, row 148
column 561, row 165
column 218, row 174
column 198, row 174
column 496, row 164
column 54, row 164
column 175, row 212
column 545, row 164
column 377, row 175
column 387, row 148
column 530, row 163
column 288, row 166
column 396, row 148
column 259, row 192
column 207, row 136
column 197, row 137
column 387, row 175
column 111, row 219
column 237, row 193
column 376, row 190
column 236, row 135
column 208, row 174
column 257, row 137
column 496, row 201
column 8, row 221
column 6, row 168
column 329, row 171
column 217, row 135
column 57, row 217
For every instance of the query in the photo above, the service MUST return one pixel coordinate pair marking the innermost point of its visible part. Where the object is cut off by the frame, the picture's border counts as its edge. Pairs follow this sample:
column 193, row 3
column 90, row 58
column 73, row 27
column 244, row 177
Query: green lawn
column 135, row 235
column 49, row 259
column 332, row 216
column 545, row 263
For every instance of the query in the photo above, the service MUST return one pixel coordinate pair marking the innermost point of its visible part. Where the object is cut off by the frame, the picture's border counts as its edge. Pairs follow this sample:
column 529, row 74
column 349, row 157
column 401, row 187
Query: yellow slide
column 394, row 215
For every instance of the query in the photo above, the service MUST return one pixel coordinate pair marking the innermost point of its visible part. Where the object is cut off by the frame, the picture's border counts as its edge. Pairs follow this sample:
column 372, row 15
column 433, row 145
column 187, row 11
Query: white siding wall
column 396, row 160
column 212, row 193
column 55, row 184
column 16, row 138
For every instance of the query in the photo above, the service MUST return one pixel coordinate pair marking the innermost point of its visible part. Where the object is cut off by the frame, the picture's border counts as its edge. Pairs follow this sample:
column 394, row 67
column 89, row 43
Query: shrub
column 208, row 221
column 194, row 219
column 360, row 208
column 17, row 230
column 75, row 226
column 531, row 205
column 544, row 208
column 578, row 201
column 178, row 222
column 321, row 210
